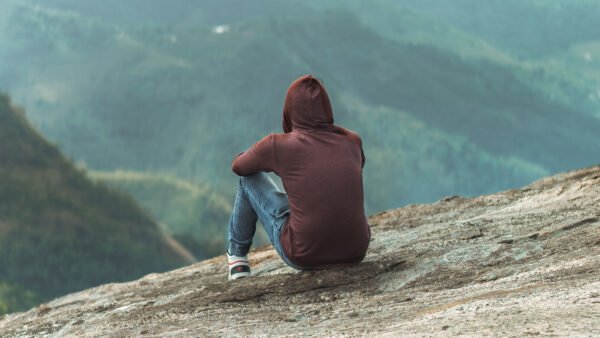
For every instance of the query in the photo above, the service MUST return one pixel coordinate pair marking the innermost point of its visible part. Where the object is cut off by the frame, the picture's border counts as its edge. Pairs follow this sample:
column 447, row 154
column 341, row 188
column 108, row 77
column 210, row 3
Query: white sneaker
column 238, row 266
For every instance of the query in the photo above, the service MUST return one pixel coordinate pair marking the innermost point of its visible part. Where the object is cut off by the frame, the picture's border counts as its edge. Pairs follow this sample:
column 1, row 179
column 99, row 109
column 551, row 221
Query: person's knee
column 245, row 180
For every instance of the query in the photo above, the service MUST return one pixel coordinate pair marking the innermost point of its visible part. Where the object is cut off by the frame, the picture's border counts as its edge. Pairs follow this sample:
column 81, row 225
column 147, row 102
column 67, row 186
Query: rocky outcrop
column 518, row 262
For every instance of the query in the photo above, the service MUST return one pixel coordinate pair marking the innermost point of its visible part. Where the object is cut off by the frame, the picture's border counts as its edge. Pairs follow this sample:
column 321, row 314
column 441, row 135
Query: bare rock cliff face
column 522, row 261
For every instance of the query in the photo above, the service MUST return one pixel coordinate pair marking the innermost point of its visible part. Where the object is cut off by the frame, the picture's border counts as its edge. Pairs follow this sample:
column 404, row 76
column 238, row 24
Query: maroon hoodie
column 320, row 165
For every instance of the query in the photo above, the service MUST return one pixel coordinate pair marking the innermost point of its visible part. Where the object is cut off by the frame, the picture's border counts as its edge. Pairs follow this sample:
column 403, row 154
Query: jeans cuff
column 238, row 250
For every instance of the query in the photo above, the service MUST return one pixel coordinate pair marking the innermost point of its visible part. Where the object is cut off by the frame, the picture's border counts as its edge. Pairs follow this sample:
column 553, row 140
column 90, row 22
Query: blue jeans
column 258, row 198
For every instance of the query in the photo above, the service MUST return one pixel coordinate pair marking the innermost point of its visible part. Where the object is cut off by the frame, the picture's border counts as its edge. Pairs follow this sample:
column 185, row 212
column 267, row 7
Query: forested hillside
column 59, row 232
column 186, row 97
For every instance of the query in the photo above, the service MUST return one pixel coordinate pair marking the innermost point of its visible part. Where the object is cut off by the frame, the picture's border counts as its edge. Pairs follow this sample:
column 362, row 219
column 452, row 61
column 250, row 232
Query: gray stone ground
column 515, row 263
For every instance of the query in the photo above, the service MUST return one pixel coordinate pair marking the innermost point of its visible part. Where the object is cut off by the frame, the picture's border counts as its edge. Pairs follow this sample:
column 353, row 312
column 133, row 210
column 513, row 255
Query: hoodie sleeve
column 260, row 157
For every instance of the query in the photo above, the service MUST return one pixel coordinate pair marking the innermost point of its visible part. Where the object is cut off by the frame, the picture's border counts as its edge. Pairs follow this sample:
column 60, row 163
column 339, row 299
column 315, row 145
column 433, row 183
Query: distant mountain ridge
column 179, row 98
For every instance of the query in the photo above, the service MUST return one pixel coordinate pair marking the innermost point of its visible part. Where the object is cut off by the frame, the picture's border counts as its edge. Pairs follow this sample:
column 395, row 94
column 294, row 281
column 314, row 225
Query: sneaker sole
column 239, row 275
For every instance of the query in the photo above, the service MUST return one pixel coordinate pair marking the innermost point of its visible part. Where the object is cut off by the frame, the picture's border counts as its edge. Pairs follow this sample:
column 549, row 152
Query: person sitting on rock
column 320, row 222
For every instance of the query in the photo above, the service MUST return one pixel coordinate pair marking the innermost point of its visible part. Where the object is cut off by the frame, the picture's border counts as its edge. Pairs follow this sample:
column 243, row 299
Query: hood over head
column 307, row 105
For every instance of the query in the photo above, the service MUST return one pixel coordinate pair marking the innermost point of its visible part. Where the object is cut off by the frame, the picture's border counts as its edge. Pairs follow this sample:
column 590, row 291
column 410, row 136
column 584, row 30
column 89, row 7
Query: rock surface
column 518, row 262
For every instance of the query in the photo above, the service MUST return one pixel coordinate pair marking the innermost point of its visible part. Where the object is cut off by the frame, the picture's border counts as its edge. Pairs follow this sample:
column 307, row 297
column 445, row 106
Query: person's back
column 320, row 165
column 321, row 171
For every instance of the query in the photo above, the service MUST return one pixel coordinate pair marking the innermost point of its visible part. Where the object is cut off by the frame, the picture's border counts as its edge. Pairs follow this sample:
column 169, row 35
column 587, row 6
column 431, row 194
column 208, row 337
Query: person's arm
column 260, row 157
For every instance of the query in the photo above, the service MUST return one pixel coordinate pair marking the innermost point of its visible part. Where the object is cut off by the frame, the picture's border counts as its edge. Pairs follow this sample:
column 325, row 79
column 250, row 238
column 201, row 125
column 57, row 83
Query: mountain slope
column 518, row 262
column 59, row 232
